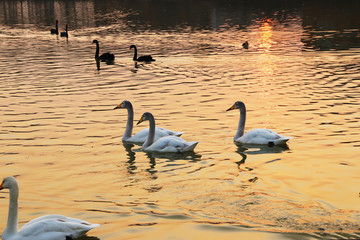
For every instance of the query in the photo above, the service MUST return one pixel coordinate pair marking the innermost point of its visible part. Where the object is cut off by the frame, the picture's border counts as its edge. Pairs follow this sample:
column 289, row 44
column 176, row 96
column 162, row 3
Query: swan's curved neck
column 241, row 126
column 129, row 123
column 56, row 26
column 97, row 51
column 135, row 54
column 66, row 29
column 151, row 137
column 12, row 222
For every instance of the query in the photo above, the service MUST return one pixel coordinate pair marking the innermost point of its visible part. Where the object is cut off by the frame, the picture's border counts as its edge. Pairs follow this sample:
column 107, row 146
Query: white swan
column 141, row 136
column 255, row 136
column 49, row 227
column 164, row 144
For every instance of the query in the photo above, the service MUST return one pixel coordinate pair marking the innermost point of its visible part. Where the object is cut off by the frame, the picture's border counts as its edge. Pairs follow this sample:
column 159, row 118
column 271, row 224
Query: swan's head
column 95, row 41
column 57, row 21
column 124, row 104
column 67, row 25
column 237, row 105
column 144, row 117
column 132, row 46
column 8, row 182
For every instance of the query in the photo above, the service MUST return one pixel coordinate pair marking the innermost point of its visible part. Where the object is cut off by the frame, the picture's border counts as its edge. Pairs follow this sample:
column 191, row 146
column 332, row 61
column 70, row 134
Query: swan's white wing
column 262, row 136
column 163, row 132
column 171, row 144
column 160, row 132
column 54, row 227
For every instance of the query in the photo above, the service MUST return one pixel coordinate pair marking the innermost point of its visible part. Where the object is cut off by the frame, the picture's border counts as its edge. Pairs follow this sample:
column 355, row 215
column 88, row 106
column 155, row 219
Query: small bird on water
column 245, row 45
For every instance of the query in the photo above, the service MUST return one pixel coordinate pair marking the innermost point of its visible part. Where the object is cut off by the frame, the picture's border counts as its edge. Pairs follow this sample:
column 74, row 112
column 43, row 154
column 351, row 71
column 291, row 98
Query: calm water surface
column 300, row 77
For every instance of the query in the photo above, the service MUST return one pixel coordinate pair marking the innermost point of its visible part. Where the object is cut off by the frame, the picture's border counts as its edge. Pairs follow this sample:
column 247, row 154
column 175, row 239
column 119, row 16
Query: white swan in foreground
column 49, row 227
column 141, row 136
column 164, row 144
column 255, row 136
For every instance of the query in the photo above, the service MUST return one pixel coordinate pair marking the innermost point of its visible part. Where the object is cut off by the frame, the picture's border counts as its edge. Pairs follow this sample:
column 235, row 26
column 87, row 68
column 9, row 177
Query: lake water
column 300, row 77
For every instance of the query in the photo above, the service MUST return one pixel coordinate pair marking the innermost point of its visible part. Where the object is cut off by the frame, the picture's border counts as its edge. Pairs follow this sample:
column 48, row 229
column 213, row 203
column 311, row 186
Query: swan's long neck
column 151, row 136
column 129, row 123
column 241, row 126
column 135, row 54
column 97, row 51
column 12, row 222
column 56, row 26
column 66, row 29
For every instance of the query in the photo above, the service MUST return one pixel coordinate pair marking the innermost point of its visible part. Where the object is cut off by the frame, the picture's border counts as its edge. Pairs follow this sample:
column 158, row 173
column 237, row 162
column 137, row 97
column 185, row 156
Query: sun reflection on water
column 266, row 33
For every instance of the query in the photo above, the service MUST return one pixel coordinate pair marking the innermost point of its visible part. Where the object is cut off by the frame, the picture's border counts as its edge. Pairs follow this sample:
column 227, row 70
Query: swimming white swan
column 255, row 136
column 164, row 144
column 141, row 136
column 49, row 227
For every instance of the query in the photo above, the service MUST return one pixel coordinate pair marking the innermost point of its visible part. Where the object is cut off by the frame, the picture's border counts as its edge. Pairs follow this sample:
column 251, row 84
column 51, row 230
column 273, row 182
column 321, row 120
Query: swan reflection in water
column 242, row 161
column 153, row 156
column 194, row 157
column 246, row 179
column 86, row 238
column 136, row 67
column 254, row 149
column 131, row 156
column 97, row 64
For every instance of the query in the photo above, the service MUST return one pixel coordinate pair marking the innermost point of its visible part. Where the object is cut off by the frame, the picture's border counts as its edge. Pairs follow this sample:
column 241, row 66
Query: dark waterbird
column 56, row 30
column 105, row 57
column 146, row 58
column 65, row 34
column 245, row 45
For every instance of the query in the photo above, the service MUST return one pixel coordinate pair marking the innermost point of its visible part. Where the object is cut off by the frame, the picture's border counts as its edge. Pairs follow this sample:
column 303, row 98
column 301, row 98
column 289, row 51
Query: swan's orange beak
column 2, row 185
column 140, row 121
column 118, row 106
column 231, row 108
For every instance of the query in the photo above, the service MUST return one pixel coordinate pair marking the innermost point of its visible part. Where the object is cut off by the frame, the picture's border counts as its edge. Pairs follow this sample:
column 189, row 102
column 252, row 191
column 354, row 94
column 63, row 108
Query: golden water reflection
column 58, row 132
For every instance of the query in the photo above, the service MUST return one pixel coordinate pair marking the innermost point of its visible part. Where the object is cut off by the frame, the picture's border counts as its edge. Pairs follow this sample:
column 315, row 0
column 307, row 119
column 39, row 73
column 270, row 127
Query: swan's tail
column 282, row 140
column 178, row 134
column 190, row 147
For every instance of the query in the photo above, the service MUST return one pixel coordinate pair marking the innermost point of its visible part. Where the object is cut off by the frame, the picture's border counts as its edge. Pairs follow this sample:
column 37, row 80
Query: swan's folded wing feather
column 262, row 136
column 172, row 144
column 51, row 224
column 160, row 132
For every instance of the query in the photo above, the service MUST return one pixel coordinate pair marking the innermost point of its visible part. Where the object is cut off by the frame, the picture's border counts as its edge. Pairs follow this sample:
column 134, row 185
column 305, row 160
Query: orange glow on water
column 266, row 32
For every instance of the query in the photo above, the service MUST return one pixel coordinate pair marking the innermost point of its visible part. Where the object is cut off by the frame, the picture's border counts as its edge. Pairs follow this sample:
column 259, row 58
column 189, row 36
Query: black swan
column 65, row 34
column 105, row 56
column 56, row 30
column 245, row 45
column 146, row 58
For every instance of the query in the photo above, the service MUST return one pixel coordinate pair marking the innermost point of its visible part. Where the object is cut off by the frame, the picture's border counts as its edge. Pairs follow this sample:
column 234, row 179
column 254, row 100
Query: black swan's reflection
column 97, row 64
column 136, row 67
